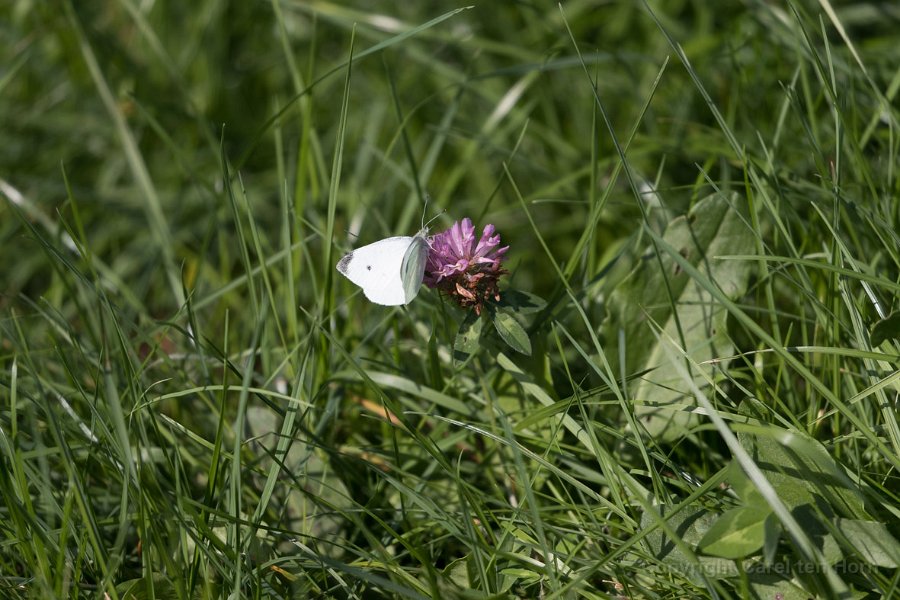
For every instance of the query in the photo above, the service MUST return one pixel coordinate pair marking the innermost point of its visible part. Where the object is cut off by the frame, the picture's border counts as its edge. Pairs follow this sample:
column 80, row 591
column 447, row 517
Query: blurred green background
column 176, row 78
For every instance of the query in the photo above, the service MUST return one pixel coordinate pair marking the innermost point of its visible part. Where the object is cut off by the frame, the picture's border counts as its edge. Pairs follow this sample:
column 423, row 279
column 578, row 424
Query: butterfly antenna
column 432, row 219
column 425, row 209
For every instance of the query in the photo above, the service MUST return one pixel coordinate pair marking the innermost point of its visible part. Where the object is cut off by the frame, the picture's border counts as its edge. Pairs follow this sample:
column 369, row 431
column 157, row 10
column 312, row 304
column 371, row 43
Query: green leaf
column 737, row 533
column 521, row 302
column 690, row 524
column 772, row 535
column 140, row 589
column 512, row 332
column 886, row 329
column 458, row 572
column 641, row 303
column 872, row 541
column 468, row 337
column 817, row 530
column 521, row 574
column 766, row 585
column 742, row 485
column 801, row 470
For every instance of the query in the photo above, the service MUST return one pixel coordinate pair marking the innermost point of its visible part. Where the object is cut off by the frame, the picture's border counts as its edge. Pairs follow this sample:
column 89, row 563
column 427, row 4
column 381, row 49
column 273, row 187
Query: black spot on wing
column 344, row 263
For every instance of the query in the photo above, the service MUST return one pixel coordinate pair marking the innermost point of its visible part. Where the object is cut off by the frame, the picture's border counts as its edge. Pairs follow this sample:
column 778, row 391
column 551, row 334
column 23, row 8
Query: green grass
column 702, row 204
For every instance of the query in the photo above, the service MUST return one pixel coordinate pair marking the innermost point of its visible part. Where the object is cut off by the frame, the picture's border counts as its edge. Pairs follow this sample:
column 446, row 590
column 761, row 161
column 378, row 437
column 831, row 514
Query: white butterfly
column 389, row 271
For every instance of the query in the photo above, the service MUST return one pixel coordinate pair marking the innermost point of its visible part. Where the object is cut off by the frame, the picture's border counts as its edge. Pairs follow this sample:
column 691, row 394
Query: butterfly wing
column 376, row 268
column 412, row 269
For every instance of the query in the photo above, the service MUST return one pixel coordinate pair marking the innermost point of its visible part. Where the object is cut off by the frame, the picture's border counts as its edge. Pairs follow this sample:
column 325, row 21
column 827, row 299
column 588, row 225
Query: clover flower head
column 466, row 270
